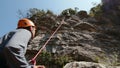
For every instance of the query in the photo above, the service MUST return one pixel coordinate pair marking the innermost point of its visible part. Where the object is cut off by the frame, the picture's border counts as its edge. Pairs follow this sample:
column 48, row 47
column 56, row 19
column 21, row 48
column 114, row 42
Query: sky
column 9, row 9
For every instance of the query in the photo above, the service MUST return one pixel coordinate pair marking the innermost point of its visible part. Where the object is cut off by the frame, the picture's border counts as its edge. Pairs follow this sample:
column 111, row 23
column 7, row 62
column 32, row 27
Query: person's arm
column 15, row 57
column 15, row 49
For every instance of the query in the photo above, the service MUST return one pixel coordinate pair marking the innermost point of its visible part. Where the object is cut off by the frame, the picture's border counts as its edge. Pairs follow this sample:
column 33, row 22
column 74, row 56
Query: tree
column 68, row 12
column 96, row 11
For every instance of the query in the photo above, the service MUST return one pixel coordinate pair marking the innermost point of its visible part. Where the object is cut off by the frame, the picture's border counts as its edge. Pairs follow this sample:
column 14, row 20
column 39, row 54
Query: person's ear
column 31, row 28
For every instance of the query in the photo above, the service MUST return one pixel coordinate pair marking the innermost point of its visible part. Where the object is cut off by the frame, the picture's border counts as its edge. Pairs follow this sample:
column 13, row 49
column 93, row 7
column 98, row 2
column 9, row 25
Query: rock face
column 84, row 65
column 84, row 39
column 111, row 9
column 110, row 4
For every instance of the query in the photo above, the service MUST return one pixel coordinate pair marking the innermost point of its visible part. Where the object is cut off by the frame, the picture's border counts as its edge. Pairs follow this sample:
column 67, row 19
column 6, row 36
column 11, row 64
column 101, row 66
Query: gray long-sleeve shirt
column 13, row 48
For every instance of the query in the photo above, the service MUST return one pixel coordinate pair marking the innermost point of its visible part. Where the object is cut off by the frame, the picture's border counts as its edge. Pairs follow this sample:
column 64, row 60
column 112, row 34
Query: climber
column 13, row 46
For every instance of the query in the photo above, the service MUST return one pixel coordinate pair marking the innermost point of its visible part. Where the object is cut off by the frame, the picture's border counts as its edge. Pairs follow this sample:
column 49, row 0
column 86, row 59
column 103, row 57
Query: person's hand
column 39, row 66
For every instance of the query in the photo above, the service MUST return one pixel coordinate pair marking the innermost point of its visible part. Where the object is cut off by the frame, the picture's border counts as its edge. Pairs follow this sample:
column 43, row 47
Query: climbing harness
column 33, row 60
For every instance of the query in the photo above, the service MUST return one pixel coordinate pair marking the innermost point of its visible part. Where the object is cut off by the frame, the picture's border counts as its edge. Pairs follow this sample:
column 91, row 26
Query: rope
column 33, row 61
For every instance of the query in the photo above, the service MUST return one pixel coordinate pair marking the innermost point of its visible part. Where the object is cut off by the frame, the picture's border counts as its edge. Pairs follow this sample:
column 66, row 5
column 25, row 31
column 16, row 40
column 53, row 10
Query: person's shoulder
column 23, row 31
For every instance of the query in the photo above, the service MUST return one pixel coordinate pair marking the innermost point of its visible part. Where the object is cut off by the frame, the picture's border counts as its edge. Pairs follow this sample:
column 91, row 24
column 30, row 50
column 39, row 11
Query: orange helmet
column 25, row 23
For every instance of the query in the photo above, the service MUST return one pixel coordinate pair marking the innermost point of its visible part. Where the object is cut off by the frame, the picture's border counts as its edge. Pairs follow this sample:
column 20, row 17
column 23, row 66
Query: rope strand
column 33, row 59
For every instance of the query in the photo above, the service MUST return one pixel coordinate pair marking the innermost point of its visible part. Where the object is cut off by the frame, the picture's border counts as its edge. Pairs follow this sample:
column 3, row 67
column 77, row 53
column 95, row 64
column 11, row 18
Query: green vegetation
column 96, row 11
column 68, row 12
column 51, row 60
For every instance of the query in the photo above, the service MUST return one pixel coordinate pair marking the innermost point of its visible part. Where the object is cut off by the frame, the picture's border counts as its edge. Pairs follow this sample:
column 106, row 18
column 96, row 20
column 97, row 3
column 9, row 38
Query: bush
column 96, row 11
column 52, row 60
column 62, row 60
